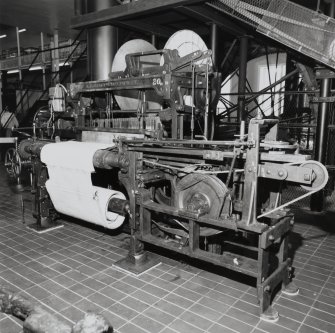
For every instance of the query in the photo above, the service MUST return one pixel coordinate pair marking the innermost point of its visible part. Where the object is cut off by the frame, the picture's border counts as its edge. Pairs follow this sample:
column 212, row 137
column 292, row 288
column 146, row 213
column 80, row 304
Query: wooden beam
column 126, row 11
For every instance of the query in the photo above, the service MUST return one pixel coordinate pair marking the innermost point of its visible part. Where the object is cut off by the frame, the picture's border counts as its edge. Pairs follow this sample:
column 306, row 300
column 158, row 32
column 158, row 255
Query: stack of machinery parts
column 179, row 191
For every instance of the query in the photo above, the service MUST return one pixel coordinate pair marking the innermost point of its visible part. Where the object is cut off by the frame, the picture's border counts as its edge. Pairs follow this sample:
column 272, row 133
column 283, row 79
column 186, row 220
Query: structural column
column 19, row 67
column 154, row 40
column 212, row 96
column 102, row 42
column 55, row 60
column 321, row 139
column 1, row 106
column 214, row 45
column 320, row 150
column 241, row 113
column 43, row 62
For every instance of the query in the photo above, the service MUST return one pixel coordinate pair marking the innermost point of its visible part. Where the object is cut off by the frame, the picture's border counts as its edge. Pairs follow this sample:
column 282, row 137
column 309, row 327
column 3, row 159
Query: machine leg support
column 270, row 314
column 44, row 225
column 137, row 263
column 281, row 275
column 291, row 289
column 288, row 287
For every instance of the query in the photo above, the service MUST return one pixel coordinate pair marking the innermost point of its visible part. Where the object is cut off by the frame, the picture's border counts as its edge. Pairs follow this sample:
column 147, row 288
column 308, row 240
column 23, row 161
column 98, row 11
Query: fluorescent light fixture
column 13, row 71
column 64, row 63
column 22, row 30
column 35, row 68
column 3, row 36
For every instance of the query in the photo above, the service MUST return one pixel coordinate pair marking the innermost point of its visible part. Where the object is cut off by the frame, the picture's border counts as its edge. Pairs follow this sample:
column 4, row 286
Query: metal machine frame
column 210, row 188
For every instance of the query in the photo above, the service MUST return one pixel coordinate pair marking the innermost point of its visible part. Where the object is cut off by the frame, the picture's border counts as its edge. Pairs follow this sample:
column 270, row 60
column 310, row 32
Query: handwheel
column 13, row 163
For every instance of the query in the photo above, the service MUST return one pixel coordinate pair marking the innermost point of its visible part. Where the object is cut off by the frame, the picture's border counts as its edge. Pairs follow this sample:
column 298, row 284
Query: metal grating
column 300, row 28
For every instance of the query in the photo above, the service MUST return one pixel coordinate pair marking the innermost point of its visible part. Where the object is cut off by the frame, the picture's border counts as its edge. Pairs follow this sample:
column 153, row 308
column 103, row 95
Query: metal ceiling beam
column 126, row 11
column 204, row 13
column 146, row 27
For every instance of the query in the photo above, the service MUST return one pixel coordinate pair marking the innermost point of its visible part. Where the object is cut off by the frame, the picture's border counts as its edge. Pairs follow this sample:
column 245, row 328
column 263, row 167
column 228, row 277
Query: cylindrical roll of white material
column 70, row 166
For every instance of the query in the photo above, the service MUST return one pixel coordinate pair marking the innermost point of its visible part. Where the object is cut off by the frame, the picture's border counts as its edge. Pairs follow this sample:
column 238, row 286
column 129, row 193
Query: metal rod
column 154, row 40
column 207, row 104
column 43, row 61
column 55, row 61
column 250, row 99
column 214, row 44
column 19, row 61
column 252, row 93
column 228, row 53
column 242, row 77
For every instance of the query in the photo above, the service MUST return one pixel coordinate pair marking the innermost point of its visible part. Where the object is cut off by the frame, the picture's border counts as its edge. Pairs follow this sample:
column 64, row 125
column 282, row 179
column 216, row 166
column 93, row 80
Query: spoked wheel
column 13, row 163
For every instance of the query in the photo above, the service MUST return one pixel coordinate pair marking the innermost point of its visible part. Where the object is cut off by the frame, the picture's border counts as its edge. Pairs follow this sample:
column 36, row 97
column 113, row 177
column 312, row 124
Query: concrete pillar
column 101, row 42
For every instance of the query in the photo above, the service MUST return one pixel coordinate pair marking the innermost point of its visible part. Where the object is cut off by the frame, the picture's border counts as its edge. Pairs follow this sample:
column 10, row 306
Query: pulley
column 319, row 175
column 23, row 146
column 203, row 194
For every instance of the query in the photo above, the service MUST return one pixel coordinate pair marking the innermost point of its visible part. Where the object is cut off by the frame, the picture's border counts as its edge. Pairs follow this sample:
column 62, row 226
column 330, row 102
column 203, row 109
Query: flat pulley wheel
column 319, row 175
column 202, row 193
column 21, row 149
column 13, row 163
column 186, row 42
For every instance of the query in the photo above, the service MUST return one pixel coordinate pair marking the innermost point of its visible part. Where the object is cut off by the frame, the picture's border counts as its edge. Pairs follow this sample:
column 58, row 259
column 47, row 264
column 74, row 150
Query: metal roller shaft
column 119, row 206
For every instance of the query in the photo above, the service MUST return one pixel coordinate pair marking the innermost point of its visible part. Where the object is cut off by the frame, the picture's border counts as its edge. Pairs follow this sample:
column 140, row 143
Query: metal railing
column 42, row 58
column 75, row 54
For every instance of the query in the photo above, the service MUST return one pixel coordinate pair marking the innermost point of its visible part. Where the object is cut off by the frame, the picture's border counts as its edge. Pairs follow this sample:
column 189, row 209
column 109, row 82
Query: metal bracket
column 323, row 99
column 323, row 73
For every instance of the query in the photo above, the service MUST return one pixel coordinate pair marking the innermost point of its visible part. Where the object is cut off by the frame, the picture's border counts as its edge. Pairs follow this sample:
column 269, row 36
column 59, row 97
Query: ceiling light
column 13, row 71
column 35, row 68
column 22, row 30
column 3, row 36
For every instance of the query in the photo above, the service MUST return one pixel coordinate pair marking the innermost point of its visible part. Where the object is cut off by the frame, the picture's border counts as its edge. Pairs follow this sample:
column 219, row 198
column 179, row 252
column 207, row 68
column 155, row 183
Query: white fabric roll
column 70, row 166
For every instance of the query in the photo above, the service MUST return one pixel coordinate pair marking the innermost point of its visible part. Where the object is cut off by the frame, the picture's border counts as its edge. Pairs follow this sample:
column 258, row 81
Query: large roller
column 186, row 42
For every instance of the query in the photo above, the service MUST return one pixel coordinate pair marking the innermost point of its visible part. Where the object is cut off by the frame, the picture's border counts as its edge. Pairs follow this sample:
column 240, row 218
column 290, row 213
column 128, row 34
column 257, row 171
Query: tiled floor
column 69, row 271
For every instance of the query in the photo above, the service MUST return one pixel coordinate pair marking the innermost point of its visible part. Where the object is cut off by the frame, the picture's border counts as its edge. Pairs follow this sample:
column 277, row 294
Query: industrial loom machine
column 141, row 157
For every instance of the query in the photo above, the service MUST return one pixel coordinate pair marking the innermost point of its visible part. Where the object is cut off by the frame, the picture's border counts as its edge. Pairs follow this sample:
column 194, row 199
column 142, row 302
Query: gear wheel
column 21, row 149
